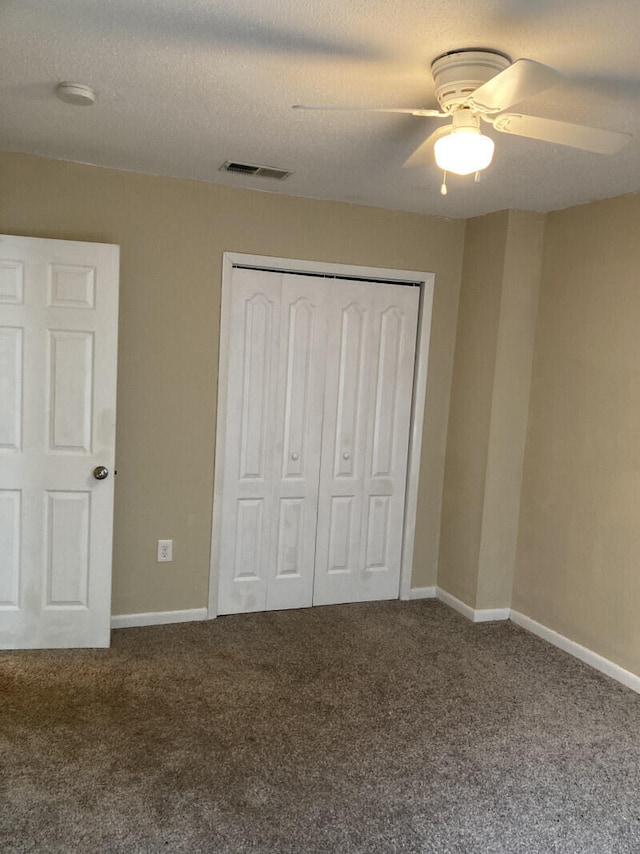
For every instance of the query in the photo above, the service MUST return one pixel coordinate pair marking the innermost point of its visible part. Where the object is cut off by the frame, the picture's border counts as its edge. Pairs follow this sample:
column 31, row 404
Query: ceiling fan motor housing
column 459, row 73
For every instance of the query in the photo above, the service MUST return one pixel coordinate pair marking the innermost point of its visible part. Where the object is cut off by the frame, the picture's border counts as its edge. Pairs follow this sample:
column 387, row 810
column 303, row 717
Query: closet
column 317, row 388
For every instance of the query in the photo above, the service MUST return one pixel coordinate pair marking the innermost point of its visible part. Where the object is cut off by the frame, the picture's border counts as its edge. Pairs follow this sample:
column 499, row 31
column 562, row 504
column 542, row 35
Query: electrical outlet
column 165, row 551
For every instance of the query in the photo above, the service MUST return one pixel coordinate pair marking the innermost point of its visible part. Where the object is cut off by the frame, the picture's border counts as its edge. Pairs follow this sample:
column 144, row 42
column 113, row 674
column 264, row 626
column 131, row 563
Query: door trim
column 426, row 283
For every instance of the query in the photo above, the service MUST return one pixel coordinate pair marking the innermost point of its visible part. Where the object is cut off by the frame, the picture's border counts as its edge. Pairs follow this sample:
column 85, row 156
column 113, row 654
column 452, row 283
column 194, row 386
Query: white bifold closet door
column 371, row 338
column 318, row 390
column 272, row 449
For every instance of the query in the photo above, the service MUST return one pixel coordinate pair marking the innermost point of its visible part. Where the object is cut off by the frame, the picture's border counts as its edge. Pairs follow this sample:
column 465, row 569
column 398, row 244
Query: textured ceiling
column 183, row 85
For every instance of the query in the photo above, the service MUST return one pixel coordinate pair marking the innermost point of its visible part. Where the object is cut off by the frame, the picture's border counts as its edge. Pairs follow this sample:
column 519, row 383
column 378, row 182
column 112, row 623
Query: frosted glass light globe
column 463, row 151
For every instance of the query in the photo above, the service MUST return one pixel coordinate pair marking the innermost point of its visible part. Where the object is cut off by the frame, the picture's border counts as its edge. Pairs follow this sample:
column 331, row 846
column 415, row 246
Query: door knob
column 100, row 472
column 346, row 455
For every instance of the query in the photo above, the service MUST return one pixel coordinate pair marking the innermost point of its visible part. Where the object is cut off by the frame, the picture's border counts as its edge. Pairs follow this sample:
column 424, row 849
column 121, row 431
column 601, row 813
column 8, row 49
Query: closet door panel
column 339, row 552
column 298, row 408
column 249, row 500
column 365, row 447
column 395, row 322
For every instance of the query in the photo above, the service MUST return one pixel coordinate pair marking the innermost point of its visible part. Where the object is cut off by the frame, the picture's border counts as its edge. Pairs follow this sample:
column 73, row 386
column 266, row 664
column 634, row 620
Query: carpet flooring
column 380, row 727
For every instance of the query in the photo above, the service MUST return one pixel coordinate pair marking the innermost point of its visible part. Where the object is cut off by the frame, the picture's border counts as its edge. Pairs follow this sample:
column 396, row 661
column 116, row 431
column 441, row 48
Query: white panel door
column 298, row 414
column 318, row 396
column 272, row 442
column 58, row 348
column 367, row 416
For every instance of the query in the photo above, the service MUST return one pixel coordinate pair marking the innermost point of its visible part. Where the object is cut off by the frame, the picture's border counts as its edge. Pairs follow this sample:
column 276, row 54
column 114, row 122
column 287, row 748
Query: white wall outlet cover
column 165, row 551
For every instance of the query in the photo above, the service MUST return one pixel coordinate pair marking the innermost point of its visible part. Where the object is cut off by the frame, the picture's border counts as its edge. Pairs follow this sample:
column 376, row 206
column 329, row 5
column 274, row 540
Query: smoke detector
column 77, row 94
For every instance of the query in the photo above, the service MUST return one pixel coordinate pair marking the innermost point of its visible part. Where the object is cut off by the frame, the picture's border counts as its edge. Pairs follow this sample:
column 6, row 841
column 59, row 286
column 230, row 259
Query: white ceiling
column 183, row 85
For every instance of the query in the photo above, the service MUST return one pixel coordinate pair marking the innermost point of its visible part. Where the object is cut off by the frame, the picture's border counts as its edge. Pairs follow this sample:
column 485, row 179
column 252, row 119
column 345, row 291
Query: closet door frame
column 425, row 281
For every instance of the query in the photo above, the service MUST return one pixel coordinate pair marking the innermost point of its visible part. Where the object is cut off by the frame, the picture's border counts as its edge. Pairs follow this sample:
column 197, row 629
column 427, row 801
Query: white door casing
column 227, row 390
column 58, row 350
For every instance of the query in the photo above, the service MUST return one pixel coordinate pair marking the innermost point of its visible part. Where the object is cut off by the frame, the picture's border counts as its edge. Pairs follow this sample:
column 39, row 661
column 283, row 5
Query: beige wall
column 489, row 406
column 578, row 557
column 470, row 411
column 172, row 234
column 510, row 408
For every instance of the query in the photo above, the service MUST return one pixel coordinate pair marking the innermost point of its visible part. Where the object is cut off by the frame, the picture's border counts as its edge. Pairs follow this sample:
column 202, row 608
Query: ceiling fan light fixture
column 463, row 151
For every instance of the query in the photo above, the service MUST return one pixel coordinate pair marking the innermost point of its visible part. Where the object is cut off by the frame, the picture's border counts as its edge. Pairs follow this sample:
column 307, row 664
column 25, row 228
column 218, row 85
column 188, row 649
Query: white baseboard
column 476, row 615
column 457, row 604
column 599, row 662
column 423, row 593
column 588, row 656
column 491, row 615
column 157, row 618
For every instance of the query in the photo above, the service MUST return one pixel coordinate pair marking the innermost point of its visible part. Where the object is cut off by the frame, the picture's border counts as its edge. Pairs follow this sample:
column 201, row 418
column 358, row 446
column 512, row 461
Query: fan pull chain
column 443, row 187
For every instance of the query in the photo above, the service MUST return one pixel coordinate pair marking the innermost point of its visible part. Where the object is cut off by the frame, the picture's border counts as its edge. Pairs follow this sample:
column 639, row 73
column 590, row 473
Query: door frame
column 426, row 283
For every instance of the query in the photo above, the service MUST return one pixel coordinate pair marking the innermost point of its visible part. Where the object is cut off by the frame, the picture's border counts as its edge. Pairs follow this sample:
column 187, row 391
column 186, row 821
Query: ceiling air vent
column 258, row 171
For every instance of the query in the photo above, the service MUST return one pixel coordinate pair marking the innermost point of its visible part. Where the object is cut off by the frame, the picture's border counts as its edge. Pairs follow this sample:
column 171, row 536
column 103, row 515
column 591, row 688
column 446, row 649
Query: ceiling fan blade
column 424, row 155
column 563, row 133
column 522, row 79
column 415, row 111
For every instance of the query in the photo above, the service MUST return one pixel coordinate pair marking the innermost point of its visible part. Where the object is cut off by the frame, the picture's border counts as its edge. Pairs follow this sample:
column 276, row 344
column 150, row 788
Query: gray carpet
column 384, row 727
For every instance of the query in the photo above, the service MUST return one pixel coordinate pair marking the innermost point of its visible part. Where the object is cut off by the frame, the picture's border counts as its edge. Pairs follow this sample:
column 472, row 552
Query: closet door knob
column 295, row 455
column 346, row 455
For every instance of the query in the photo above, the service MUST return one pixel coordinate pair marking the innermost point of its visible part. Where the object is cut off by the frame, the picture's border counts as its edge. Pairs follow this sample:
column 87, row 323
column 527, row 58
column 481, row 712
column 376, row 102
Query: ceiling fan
column 479, row 85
